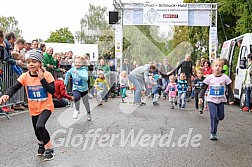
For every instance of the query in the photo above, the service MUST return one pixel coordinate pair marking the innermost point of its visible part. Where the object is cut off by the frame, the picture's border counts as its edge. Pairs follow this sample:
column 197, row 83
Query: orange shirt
column 38, row 98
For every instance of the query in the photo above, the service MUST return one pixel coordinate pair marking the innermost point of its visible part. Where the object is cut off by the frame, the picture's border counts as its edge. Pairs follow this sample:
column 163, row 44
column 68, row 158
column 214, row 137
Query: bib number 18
column 36, row 94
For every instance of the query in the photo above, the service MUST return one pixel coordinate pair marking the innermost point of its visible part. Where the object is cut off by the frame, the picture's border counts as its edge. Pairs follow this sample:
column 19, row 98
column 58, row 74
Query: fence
column 7, row 79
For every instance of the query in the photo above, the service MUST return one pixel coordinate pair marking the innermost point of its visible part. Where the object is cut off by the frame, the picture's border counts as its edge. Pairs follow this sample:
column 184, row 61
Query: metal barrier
column 7, row 79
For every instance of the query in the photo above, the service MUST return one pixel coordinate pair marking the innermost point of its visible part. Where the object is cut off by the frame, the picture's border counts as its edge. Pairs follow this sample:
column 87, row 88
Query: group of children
column 214, row 85
column 39, row 85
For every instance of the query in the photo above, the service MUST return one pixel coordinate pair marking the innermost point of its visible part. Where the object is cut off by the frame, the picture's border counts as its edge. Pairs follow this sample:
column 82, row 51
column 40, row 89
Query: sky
column 36, row 19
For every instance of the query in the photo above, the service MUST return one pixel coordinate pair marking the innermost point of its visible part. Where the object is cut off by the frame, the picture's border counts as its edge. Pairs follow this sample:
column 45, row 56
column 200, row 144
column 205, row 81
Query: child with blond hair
column 79, row 75
column 124, row 84
column 217, row 83
column 172, row 90
column 102, row 87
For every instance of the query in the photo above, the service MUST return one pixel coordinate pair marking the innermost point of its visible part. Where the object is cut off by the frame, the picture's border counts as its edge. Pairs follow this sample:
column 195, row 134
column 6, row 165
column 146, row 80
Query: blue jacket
column 7, row 53
column 182, row 86
column 79, row 76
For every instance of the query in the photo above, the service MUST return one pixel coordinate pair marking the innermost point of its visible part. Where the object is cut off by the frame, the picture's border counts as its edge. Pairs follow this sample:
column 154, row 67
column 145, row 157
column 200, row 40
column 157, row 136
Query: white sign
column 118, row 41
column 213, row 43
column 165, row 14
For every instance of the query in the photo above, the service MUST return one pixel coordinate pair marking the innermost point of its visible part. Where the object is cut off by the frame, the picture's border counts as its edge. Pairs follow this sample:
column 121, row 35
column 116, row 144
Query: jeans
column 60, row 103
column 216, row 113
column 182, row 99
column 165, row 82
column 137, row 84
column 248, row 92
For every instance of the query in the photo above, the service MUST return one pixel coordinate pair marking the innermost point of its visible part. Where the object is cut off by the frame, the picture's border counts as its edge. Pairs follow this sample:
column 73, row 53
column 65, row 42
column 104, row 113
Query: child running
column 216, row 98
column 172, row 90
column 156, row 88
column 182, row 90
column 79, row 75
column 102, row 87
column 197, row 84
column 124, row 84
column 39, row 86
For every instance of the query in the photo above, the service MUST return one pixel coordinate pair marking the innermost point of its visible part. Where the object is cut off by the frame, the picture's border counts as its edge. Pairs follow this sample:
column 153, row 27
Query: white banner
column 165, row 14
column 118, row 41
column 213, row 43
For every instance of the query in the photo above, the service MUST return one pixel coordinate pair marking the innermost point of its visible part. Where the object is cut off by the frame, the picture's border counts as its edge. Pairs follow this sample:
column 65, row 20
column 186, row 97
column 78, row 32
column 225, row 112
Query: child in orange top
column 39, row 85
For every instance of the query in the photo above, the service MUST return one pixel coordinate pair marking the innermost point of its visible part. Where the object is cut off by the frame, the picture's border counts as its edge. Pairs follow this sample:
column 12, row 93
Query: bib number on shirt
column 217, row 91
column 37, row 93
column 77, row 82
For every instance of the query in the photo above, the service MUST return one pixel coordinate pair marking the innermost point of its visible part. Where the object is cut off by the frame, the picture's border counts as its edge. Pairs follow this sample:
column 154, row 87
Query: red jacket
column 60, row 90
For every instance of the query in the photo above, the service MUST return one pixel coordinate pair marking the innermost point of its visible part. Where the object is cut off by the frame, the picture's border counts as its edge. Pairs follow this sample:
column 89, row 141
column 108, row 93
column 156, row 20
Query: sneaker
column 75, row 114
column 200, row 111
column 155, row 103
column 18, row 107
column 183, row 106
column 41, row 149
column 245, row 109
column 89, row 117
column 49, row 155
column 142, row 104
column 172, row 107
column 213, row 137
column 106, row 100
column 90, row 96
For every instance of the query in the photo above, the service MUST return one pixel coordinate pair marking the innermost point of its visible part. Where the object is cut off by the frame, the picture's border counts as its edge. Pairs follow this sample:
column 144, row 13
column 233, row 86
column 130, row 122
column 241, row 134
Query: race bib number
column 172, row 88
column 77, row 82
column 37, row 93
column 217, row 91
column 200, row 84
column 101, row 86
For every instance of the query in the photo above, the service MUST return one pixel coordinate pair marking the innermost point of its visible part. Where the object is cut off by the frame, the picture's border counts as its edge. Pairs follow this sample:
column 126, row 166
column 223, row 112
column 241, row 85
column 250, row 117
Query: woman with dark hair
column 207, row 68
column 42, row 47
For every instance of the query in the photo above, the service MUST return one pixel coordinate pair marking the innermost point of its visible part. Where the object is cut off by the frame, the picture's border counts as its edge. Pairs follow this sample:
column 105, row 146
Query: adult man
column 49, row 61
column 19, row 46
column 164, row 69
column 9, row 42
column 34, row 44
column 139, row 77
column 126, row 66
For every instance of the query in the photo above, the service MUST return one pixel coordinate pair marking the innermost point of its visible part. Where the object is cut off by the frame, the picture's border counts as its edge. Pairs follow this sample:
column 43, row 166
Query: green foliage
column 63, row 35
column 10, row 24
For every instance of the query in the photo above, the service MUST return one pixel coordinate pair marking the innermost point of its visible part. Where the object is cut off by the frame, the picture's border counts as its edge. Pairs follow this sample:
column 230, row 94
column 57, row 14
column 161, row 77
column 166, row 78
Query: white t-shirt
column 217, row 88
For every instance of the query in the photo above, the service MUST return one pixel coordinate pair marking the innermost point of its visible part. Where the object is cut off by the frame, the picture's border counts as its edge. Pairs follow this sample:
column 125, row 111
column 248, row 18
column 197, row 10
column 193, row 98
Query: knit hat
column 34, row 54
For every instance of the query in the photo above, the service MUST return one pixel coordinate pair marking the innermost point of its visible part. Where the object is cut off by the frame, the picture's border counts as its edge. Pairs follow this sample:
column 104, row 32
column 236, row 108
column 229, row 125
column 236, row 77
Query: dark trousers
column 197, row 100
column 39, row 122
column 216, row 114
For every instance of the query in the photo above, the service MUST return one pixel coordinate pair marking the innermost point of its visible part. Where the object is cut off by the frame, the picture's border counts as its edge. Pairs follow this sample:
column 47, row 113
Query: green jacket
column 105, row 69
column 48, row 59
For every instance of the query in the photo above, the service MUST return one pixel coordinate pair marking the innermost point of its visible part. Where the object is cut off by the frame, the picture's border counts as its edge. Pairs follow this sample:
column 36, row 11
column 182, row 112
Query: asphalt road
column 124, row 135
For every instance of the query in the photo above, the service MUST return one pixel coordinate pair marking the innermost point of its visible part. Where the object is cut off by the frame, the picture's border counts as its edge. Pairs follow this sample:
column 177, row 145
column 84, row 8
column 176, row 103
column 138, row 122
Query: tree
column 9, row 24
column 92, row 24
column 63, row 35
